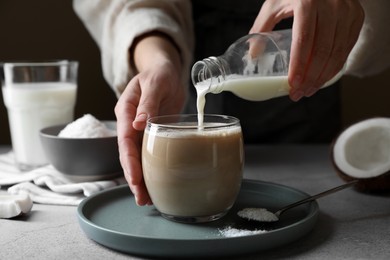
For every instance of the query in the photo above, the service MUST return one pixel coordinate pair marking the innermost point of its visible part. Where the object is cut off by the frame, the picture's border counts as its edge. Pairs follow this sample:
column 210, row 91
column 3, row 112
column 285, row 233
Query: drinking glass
column 193, row 174
column 37, row 95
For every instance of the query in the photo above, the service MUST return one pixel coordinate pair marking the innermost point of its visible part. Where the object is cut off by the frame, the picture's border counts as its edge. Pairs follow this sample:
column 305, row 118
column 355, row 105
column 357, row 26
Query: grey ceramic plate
column 112, row 219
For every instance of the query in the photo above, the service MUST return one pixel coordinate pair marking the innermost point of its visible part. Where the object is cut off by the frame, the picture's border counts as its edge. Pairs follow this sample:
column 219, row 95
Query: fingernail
column 141, row 117
column 297, row 95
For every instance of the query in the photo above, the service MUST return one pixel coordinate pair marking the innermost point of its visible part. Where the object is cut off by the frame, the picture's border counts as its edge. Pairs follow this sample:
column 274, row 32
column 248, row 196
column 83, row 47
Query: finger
column 129, row 139
column 348, row 33
column 257, row 45
column 141, row 196
column 139, row 122
column 338, row 54
column 303, row 32
column 350, row 20
column 148, row 106
column 321, row 51
column 271, row 13
column 129, row 143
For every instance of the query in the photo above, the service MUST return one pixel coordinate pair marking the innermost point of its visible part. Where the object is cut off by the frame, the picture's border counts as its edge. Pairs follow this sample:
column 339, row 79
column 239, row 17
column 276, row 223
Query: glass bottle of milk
column 255, row 68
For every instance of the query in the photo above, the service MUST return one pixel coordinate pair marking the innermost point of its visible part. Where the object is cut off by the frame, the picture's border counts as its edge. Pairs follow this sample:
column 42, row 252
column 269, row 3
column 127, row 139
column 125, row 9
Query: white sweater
column 114, row 25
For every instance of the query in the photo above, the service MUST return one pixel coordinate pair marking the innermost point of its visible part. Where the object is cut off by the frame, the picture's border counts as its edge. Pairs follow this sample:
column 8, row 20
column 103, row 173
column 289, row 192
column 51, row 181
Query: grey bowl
column 88, row 158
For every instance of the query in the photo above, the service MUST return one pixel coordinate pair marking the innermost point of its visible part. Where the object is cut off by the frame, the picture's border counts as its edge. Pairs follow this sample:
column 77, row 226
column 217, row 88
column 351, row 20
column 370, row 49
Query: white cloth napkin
column 46, row 185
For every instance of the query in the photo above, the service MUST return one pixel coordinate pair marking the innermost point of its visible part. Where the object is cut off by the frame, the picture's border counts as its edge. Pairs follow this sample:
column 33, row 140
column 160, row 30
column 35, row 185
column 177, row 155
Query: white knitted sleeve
column 115, row 24
column 371, row 53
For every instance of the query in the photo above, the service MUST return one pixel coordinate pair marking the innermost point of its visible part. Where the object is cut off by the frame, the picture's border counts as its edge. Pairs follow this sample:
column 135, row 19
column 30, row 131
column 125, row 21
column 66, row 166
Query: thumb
column 139, row 122
column 271, row 13
column 148, row 107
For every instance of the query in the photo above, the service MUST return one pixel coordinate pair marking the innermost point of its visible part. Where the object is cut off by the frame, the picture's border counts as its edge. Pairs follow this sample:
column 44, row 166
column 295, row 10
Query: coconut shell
column 376, row 184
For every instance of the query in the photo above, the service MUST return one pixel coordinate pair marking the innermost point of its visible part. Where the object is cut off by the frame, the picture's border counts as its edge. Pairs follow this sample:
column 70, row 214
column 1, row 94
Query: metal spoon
column 263, row 215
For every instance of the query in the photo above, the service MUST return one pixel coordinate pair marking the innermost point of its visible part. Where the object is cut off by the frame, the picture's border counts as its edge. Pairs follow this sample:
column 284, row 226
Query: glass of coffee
column 193, row 174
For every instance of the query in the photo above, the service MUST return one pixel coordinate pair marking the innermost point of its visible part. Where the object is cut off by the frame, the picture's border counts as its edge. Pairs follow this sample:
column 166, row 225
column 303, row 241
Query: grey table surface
column 351, row 224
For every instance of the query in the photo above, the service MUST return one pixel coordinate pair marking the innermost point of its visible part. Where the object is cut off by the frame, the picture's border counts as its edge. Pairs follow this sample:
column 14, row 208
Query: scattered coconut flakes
column 86, row 127
column 234, row 232
column 258, row 214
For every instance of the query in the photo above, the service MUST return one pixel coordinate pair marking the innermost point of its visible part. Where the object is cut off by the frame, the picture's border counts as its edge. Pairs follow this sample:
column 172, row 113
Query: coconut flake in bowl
column 86, row 127
column 86, row 149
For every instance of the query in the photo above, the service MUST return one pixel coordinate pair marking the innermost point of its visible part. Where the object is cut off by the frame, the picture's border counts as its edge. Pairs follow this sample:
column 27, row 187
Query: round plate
column 112, row 218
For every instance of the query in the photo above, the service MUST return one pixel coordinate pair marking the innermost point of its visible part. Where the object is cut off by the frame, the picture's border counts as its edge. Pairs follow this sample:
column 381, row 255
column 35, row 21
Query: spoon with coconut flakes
column 264, row 215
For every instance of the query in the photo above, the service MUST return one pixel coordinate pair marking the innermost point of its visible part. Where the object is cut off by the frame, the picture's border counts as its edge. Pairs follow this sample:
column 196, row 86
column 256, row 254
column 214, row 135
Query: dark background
column 47, row 29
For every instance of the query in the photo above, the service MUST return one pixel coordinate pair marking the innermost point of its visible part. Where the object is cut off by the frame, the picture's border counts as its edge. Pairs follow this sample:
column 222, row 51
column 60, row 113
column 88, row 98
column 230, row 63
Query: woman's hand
column 156, row 90
column 324, row 33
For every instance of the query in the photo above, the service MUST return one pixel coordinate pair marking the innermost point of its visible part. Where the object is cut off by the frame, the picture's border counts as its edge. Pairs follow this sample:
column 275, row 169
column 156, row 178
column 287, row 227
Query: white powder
column 258, row 214
column 234, row 232
column 86, row 127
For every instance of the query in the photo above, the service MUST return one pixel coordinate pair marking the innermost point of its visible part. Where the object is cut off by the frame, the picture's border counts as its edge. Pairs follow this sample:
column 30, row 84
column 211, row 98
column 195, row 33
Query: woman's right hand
column 156, row 90
column 323, row 34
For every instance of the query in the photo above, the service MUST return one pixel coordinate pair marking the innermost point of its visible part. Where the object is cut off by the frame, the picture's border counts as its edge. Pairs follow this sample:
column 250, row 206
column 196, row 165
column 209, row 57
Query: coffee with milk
column 193, row 174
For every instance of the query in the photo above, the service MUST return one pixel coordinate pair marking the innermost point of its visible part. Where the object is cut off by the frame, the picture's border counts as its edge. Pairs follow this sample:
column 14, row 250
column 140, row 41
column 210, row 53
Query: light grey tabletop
column 351, row 225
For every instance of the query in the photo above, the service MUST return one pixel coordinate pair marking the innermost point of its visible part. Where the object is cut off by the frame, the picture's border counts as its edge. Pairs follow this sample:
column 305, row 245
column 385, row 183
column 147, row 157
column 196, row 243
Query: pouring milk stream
column 254, row 68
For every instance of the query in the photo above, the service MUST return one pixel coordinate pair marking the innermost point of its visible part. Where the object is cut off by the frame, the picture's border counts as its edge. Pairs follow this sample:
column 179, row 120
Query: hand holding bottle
column 324, row 33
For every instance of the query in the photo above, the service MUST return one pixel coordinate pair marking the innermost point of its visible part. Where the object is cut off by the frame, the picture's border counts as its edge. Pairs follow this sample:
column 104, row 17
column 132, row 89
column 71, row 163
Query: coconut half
column 362, row 151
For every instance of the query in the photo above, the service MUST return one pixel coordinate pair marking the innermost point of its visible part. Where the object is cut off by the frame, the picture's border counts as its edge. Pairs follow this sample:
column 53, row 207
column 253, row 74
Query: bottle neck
column 209, row 72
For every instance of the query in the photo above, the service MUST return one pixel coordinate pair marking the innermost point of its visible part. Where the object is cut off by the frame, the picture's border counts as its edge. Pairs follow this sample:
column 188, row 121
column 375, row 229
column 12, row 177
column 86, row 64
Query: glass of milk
column 37, row 95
